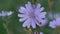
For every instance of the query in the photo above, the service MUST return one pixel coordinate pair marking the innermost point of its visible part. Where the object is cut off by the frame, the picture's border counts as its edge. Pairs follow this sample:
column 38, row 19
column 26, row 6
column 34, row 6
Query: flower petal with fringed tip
column 32, row 15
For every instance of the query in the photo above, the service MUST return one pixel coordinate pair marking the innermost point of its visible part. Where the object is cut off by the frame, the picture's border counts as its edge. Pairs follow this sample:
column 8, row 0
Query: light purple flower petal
column 3, row 13
column 41, row 32
column 58, row 22
column 43, row 22
column 23, row 19
column 37, row 10
column 9, row 13
column 21, row 15
column 37, row 22
column 52, row 24
column 38, row 6
column 38, row 17
column 22, row 10
column 26, row 23
column 29, row 7
column 41, row 9
column 42, row 14
column 33, row 24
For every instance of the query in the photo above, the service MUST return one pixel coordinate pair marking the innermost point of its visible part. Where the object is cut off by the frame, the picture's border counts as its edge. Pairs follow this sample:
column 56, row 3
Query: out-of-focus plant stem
column 5, row 25
column 51, row 4
column 30, row 30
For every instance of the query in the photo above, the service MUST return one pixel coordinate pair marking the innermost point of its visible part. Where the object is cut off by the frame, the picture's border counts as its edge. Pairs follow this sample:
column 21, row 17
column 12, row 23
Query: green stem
column 30, row 30
column 7, row 31
column 6, row 19
column 51, row 3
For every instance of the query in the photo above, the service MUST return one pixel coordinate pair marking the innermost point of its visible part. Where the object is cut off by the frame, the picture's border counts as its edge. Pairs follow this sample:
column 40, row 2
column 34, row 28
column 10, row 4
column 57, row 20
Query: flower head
column 56, row 22
column 32, row 15
column 4, row 13
column 52, row 24
column 9, row 13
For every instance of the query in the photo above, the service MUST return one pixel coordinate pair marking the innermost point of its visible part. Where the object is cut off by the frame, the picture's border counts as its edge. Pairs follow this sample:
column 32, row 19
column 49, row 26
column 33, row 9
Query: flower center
column 32, row 15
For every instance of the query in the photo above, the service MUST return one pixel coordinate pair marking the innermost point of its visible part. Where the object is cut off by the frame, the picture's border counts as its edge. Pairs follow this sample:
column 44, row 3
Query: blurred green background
column 15, row 27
